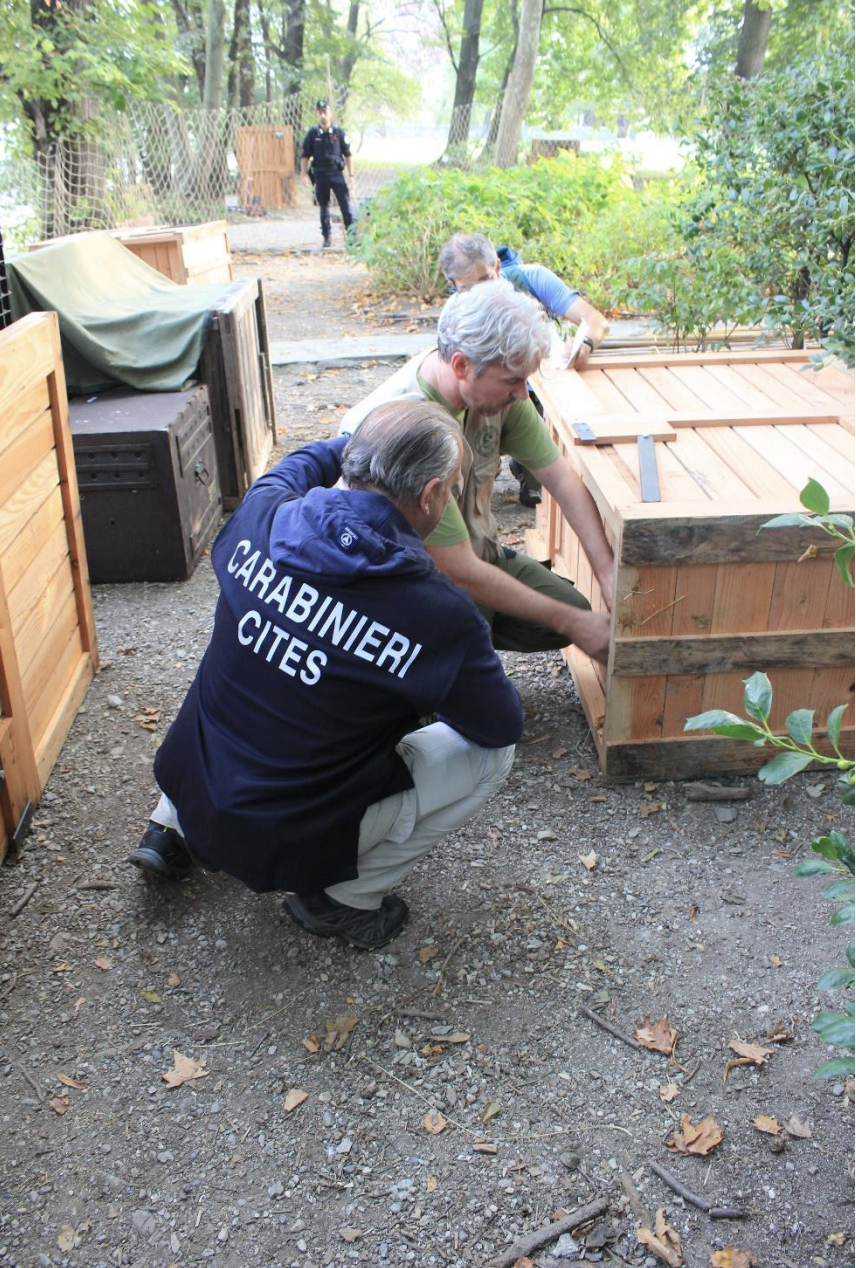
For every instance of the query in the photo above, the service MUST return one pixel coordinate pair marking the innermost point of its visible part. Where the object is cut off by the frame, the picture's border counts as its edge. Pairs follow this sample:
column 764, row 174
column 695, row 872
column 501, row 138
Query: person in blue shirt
column 470, row 258
column 297, row 762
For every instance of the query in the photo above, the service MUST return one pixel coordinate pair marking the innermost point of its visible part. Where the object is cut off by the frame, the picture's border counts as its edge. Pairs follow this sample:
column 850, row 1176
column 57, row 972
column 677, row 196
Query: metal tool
column 648, row 477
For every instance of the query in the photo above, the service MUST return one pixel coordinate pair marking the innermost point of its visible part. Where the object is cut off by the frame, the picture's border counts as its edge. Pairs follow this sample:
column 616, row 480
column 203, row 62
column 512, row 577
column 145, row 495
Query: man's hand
column 305, row 179
column 590, row 633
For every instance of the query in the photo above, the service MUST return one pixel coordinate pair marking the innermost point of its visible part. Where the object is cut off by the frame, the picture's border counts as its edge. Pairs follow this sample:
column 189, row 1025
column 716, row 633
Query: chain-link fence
column 158, row 164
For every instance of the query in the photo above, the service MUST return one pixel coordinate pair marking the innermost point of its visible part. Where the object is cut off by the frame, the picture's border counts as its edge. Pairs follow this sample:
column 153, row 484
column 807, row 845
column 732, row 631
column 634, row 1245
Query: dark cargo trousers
column 325, row 184
column 510, row 633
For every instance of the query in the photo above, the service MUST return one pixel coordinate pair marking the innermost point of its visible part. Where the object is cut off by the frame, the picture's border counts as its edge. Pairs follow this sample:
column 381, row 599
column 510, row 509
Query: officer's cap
column 322, row 103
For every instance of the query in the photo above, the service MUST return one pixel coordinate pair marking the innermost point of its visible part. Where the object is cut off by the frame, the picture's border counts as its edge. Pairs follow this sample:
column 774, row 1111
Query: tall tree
column 753, row 39
column 242, row 87
column 466, row 68
column 517, row 93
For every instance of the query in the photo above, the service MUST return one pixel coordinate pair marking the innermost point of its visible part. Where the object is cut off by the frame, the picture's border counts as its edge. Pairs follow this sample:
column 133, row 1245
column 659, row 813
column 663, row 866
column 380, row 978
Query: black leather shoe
column 527, row 496
column 366, row 930
column 162, row 854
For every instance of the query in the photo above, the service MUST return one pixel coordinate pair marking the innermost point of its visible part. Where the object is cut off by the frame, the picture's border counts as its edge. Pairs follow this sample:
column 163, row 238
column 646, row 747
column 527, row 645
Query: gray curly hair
column 399, row 447
column 493, row 324
column 462, row 251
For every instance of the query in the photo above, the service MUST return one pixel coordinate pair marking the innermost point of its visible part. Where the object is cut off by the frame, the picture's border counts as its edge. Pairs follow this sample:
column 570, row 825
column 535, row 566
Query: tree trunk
column 753, row 40
column 296, row 18
column 516, row 99
column 465, row 84
column 242, row 89
column 215, row 55
column 345, row 65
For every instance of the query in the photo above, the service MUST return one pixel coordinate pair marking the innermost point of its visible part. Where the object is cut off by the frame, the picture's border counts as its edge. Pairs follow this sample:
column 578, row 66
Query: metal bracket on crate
column 584, row 434
column 648, row 477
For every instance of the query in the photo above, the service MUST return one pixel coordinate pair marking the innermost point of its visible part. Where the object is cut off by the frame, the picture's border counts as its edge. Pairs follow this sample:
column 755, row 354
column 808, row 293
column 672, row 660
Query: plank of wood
column 535, row 545
column 56, row 727
column 24, row 455
column 613, row 431
column 589, row 690
column 638, row 392
column 702, row 654
column 37, row 621
column 690, row 757
column 676, row 394
column 749, row 466
column 836, row 436
column 825, row 457
column 604, row 481
column 62, row 635
column 25, row 359
column 563, row 393
column 29, row 407
column 55, row 679
column 716, row 395
column 677, row 484
column 27, row 593
column 733, row 356
column 24, row 547
column 779, row 451
column 707, row 468
column 25, row 501
column 799, row 594
column 741, row 604
column 803, row 383
column 683, row 699
column 611, row 400
column 723, row 538
column 739, row 381
column 23, row 782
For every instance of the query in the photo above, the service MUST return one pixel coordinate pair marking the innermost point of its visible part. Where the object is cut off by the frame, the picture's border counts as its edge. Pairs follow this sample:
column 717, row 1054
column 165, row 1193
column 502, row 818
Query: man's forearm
column 580, row 510
column 492, row 588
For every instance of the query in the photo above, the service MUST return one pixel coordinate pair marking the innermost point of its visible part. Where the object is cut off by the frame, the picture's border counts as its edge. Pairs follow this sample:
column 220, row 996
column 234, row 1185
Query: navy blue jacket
column 334, row 633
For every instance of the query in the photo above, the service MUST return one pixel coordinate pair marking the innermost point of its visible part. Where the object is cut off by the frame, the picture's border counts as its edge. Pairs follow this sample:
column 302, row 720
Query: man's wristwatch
column 587, row 339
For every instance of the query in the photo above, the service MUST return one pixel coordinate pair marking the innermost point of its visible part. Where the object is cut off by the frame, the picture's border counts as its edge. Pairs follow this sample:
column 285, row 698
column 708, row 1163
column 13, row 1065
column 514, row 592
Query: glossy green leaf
column 835, row 1028
column 815, row 498
column 724, row 723
column 838, row 1067
column 799, row 725
column 758, row 696
column 791, row 520
column 843, row 560
column 783, row 766
column 833, row 724
column 844, row 915
column 839, row 889
column 834, row 978
column 813, row 867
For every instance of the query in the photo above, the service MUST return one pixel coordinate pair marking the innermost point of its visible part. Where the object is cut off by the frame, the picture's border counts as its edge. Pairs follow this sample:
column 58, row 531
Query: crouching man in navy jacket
column 296, row 761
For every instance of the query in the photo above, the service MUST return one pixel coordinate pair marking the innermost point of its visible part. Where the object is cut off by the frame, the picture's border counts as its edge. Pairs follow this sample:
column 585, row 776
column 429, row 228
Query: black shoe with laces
column 528, row 497
column 162, row 854
column 366, row 930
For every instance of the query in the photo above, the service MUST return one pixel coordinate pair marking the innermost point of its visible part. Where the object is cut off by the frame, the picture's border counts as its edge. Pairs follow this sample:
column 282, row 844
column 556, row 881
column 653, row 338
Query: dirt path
column 472, row 1015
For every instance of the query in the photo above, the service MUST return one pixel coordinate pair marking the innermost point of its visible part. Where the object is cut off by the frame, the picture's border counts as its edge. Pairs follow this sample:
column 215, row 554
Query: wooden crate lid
column 749, row 428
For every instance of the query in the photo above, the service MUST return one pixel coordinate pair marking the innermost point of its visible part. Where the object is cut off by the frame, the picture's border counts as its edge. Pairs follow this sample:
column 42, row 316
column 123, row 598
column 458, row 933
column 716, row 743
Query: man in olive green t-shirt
column 489, row 340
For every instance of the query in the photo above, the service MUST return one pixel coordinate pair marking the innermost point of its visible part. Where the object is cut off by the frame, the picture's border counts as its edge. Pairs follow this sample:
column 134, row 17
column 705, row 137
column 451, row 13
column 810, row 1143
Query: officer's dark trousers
column 325, row 183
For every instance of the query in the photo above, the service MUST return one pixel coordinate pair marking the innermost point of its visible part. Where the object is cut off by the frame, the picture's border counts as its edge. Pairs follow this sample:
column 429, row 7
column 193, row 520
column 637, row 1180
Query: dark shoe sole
column 321, row 930
column 153, row 864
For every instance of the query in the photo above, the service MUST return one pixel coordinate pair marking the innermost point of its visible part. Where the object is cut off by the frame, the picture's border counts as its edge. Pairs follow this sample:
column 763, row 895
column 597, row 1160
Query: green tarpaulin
column 120, row 321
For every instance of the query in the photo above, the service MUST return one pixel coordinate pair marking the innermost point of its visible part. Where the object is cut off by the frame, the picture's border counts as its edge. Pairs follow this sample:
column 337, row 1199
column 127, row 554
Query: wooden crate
column 48, row 651
column 235, row 367
column 702, row 598
column 266, row 164
column 190, row 255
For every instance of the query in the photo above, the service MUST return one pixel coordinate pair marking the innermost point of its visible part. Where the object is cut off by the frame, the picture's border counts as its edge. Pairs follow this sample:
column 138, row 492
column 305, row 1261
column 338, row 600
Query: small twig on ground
column 715, row 1212
column 605, row 1025
column 438, row 988
column 428, row 1100
column 428, row 1014
column 99, row 885
column 635, row 1201
column 548, row 1233
column 712, row 792
column 40, row 1093
column 538, row 739
column 24, row 899
column 693, row 1072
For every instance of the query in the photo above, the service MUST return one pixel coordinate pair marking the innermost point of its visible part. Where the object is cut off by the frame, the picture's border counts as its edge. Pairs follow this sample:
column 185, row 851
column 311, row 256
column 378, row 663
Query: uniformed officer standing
column 326, row 147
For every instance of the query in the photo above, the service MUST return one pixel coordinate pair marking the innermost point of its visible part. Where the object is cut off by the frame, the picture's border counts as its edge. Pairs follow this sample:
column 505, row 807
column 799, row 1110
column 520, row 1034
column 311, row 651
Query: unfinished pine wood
column 47, row 633
column 191, row 255
column 705, row 595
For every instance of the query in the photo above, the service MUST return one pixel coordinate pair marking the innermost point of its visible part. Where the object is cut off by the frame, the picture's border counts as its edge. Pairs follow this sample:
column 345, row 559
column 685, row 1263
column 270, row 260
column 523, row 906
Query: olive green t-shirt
column 523, row 436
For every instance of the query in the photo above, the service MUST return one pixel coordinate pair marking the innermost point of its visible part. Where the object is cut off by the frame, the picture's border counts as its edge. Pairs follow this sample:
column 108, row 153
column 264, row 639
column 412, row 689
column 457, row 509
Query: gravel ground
column 309, row 1136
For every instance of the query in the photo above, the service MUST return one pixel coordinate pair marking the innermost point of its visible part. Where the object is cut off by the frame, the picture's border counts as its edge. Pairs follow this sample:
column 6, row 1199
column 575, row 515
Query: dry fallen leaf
column 151, row 997
column 484, row 1146
column 58, row 1103
column 338, row 1032
column 173, row 980
column 311, row 1044
column 350, row 1234
column 763, row 1123
column 428, row 953
column 67, row 1237
column 664, row 1241
column 581, row 775
column 658, row 1035
column 752, row 1051
column 103, row 962
column 589, row 861
column 779, row 1033
column 776, row 961
column 668, row 1091
column 798, row 1127
column 835, row 1239
column 294, row 1097
column 69, row 1082
column 523, row 1262
column 431, row 1184
column 454, row 1036
column 434, row 1123
column 490, row 1111
column 648, row 808
column 696, row 1138
column 185, row 1070
column 730, row 1258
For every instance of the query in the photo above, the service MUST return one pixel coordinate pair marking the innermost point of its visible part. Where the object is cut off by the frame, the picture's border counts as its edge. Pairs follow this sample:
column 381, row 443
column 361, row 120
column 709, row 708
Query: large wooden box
column 147, row 474
column 192, row 255
column 48, row 651
column 702, row 597
column 235, row 367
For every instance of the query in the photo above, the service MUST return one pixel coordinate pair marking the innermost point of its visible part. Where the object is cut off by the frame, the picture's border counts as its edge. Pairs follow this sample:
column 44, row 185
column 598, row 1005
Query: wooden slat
column 734, row 356
column 29, row 592
column 26, row 500
column 676, row 394
column 54, row 675
column 717, row 397
column 750, row 466
column 610, row 399
column 677, row 484
column 61, row 635
column 699, row 654
column 805, row 386
column 704, row 464
column 56, row 727
column 13, row 706
column 564, row 394
column 691, row 757
column 29, row 407
column 739, row 381
column 25, row 360
column 25, row 454
column 825, row 457
column 638, row 392
column 21, row 552
column 615, row 431
column 36, row 625
column 692, row 615
column 731, row 539
column 837, row 437
column 775, row 446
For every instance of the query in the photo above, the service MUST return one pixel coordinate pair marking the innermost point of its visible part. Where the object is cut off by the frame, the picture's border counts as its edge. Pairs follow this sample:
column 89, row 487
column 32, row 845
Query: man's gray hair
column 462, row 251
column 493, row 324
column 399, row 447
